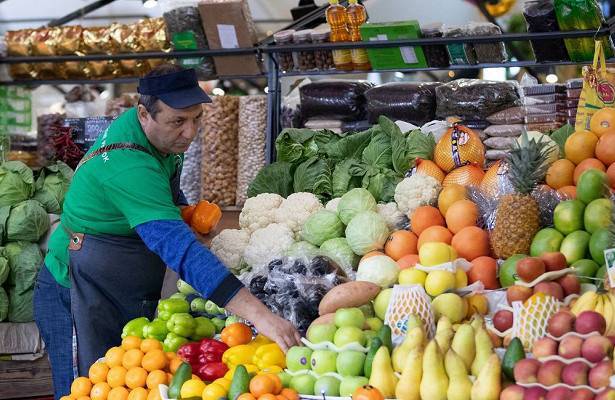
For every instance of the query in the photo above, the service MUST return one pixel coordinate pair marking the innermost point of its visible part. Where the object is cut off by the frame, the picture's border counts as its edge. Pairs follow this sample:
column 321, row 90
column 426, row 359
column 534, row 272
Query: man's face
column 172, row 130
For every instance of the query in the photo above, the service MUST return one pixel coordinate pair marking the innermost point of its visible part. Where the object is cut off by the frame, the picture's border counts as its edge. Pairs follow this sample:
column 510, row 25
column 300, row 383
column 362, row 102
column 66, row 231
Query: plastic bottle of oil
column 357, row 16
column 336, row 18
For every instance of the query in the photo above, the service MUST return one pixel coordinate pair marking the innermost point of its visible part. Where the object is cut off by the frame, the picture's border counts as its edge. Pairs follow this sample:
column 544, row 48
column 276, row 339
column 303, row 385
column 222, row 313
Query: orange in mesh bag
column 468, row 175
column 429, row 168
column 492, row 180
column 531, row 318
column 458, row 147
column 406, row 301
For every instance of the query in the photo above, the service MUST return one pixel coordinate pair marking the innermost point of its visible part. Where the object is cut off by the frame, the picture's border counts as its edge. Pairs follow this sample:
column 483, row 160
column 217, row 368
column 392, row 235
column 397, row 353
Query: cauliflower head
column 332, row 204
column 268, row 244
column 229, row 246
column 295, row 210
column 394, row 218
column 415, row 191
column 259, row 211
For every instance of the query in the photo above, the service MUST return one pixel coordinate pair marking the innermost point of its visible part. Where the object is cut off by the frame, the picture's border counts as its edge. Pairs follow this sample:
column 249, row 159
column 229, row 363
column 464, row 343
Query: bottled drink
column 336, row 18
column 357, row 16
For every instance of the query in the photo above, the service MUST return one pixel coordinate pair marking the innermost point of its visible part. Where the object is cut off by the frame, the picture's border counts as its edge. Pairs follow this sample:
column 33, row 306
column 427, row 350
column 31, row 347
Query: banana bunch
column 603, row 303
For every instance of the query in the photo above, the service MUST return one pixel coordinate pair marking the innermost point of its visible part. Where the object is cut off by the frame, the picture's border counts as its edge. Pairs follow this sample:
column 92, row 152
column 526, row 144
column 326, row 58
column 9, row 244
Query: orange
column 132, row 358
column 461, row 214
column 171, row 355
column 408, row 261
column 150, row 344
column 118, row 393
column 468, row 175
column 580, row 145
column 116, row 376
column 605, row 149
column 435, row 234
column 484, row 269
column 84, row 398
column 277, row 382
column 174, row 364
column 280, row 397
column 471, row 242
column 69, row 397
column 261, row 385
column 98, row 372
column 290, row 394
column 153, row 360
column 169, row 377
column 236, row 334
column 246, row 396
column 603, row 121
column 590, row 163
column 131, row 342
column 138, row 394
column 268, row 396
column 429, row 168
column 136, row 377
column 610, row 173
column 490, row 183
column 423, row 217
column 154, row 395
column 560, row 173
column 570, row 192
column 114, row 356
column 449, row 195
column 100, row 391
column 81, row 387
column 156, row 378
column 400, row 243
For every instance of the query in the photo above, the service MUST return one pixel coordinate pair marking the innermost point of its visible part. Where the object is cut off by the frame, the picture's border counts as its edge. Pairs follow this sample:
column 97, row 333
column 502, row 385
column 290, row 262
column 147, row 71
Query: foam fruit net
column 531, row 318
column 405, row 301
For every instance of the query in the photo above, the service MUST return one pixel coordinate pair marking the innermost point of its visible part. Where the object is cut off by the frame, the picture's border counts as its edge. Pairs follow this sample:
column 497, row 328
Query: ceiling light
column 218, row 92
column 551, row 78
column 149, row 3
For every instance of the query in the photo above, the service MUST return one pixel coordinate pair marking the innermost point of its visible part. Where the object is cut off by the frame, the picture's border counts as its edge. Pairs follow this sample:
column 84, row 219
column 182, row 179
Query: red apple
column 595, row 348
column 600, row 375
column 512, row 392
column 590, row 321
column 530, row 268
column 503, row 320
column 575, row 374
column 554, row 261
column 549, row 372
column 518, row 293
column 570, row 283
column 550, row 288
column 560, row 323
column 526, row 370
column 582, row 394
column 544, row 347
column 570, row 347
column 535, row 393
column 560, row 393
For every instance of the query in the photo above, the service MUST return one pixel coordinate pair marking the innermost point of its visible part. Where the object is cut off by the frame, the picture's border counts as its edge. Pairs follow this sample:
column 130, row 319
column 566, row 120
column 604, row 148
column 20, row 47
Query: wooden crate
column 25, row 379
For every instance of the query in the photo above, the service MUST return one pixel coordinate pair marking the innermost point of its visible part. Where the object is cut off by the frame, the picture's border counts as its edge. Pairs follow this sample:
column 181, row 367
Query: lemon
column 438, row 282
column 192, row 388
column 412, row 276
column 225, row 383
column 213, row 392
column 461, row 279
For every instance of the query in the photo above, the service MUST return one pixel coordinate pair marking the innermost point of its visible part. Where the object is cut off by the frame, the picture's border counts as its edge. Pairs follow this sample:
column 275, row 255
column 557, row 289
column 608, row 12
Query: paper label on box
column 609, row 257
column 228, row 36
column 409, row 55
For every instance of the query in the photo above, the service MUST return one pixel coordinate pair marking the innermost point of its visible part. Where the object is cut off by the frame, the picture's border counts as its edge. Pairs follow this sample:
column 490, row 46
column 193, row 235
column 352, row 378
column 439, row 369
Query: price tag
column 609, row 256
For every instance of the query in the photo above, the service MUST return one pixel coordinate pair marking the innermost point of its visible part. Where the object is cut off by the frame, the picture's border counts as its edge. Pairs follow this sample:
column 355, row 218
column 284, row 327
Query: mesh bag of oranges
column 531, row 317
column 405, row 301
column 458, row 147
column 132, row 371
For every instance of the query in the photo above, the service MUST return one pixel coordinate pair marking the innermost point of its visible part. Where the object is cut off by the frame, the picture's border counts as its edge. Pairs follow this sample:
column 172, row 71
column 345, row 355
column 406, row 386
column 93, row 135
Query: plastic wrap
column 487, row 53
column 515, row 130
column 190, row 181
column 334, row 99
column 475, row 99
column 407, row 101
column 251, row 142
column 436, row 55
column 500, row 143
column 547, row 199
column 540, row 17
column 460, row 53
column 513, row 115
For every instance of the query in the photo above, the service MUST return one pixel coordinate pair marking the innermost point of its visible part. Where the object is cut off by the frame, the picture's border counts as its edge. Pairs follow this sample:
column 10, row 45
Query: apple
column 525, row 370
column 530, row 268
column 503, row 320
column 512, row 392
column 374, row 323
column 549, row 372
column 321, row 333
column 518, row 293
column 554, row 261
column 550, row 288
column 570, row 283
column 560, row 323
column 595, row 348
column 535, row 393
column 327, row 386
column 600, row 375
column 559, row 393
column 350, row 363
column 351, row 383
column 575, row 374
column 323, row 361
column 298, row 358
column 303, row 384
column 382, row 303
column 607, row 394
column 349, row 334
column 582, row 394
column 285, row 377
column 544, row 347
column 590, row 321
column 570, row 347
column 349, row 317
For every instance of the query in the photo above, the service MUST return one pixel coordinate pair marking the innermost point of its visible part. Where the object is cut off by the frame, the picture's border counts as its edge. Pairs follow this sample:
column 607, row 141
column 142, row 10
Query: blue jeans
column 53, row 318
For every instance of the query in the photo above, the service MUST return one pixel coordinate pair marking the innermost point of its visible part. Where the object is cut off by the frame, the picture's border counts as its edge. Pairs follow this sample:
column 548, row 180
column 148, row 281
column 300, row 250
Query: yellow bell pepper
column 241, row 354
column 269, row 355
column 260, row 340
column 272, row 370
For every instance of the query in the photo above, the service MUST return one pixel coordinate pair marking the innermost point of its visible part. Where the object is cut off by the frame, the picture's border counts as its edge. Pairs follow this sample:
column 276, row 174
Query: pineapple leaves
column 527, row 164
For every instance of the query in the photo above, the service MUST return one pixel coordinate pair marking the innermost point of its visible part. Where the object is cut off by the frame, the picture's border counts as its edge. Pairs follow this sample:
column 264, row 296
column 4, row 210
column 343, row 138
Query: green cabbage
column 25, row 260
column 51, row 186
column 354, row 202
column 322, row 226
column 273, row 178
column 4, row 304
column 27, row 221
column 381, row 270
column 302, row 249
column 366, row 232
column 16, row 183
column 340, row 252
column 21, row 307
column 4, row 267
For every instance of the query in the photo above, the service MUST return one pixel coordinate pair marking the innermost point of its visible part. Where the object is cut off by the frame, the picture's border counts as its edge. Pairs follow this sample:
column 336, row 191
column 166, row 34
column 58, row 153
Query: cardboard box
column 391, row 57
column 227, row 26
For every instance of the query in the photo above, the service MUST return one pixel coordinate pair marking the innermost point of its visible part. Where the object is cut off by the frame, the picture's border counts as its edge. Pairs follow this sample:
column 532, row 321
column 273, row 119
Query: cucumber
column 514, row 354
column 240, row 383
column 183, row 373
column 371, row 353
column 385, row 335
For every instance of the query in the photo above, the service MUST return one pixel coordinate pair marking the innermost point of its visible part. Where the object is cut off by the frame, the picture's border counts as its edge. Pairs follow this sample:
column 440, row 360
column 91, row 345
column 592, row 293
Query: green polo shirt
column 114, row 192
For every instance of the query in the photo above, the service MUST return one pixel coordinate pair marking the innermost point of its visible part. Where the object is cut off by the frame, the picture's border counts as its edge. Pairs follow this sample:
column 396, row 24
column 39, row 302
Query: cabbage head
column 340, row 252
column 27, row 221
column 381, row 270
column 366, row 232
column 354, row 202
column 4, row 267
column 25, row 259
column 21, row 308
column 322, row 226
column 52, row 185
column 302, row 249
column 4, row 304
column 16, row 183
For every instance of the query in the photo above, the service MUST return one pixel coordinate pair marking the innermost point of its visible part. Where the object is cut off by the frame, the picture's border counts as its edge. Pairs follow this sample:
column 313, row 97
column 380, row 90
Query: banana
column 587, row 302
column 609, row 314
column 599, row 308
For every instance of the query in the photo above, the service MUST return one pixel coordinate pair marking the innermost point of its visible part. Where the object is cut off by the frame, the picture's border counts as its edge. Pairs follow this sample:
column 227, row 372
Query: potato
column 350, row 294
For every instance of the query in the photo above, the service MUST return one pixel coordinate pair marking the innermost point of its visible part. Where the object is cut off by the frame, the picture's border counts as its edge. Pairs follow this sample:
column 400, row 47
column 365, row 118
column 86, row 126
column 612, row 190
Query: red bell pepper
column 213, row 346
column 212, row 371
column 190, row 353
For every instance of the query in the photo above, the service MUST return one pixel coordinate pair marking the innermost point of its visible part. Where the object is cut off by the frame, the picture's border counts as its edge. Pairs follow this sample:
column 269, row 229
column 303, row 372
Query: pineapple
column 517, row 218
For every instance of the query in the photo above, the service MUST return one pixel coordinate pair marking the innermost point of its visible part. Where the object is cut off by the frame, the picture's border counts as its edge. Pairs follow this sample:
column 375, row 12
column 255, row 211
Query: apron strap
column 110, row 147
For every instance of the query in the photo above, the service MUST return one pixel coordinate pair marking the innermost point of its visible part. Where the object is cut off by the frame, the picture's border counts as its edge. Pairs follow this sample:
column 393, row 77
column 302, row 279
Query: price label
column 609, row 256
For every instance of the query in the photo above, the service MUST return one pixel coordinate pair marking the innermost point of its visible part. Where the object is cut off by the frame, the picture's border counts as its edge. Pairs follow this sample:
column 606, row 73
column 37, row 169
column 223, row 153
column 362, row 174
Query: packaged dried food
column 544, row 127
column 475, row 98
column 487, row 53
column 574, row 93
column 460, row 53
column 540, row 17
column 513, row 130
column 512, row 115
column 124, row 37
column 304, row 59
column 45, row 41
column 475, row 124
column 552, row 108
column 153, row 35
column 20, row 71
column 251, row 142
column 576, row 83
column 47, row 126
column 19, row 43
column 285, row 58
column 571, row 112
column 406, row 101
column 190, row 180
column 322, row 57
column 436, row 55
column 544, row 99
column 543, row 89
column 70, row 40
column 572, row 103
column 492, row 154
column 96, row 40
column 545, row 118
column 500, row 143
column 335, row 99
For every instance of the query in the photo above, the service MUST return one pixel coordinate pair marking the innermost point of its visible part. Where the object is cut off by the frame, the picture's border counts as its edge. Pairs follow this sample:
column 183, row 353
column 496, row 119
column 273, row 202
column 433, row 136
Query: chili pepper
column 190, row 353
column 212, row 371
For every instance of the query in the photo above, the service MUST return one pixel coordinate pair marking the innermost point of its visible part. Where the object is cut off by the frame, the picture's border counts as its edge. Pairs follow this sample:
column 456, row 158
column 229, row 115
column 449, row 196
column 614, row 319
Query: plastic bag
column 492, row 154
column 487, row 52
column 475, row 98
column 540, row 17
column 500, row 143
column 334, row 99
column 405, row 101
column 515, row 130
column 251, row 142
column 513, row 115
column 190, row 180
column 460, row 53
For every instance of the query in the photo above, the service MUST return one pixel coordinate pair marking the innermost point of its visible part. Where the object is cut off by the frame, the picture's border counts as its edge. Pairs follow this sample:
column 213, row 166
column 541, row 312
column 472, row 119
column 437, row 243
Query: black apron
column 113, row 280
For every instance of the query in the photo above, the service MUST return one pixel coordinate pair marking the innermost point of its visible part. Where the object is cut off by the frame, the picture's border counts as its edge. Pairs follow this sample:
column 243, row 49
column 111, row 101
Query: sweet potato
column 350, row 294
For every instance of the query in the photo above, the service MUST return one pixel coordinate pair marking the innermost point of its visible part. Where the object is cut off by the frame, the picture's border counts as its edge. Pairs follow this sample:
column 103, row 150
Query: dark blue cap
column 177, row 90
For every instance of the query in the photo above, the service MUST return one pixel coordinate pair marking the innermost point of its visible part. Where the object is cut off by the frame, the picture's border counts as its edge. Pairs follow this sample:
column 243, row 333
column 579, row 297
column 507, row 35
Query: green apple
column 568, row 216
column 285, row 377
column 323, row 361
column 327, row 386
column 303, row 384
column 369, row 335
column 298, row 358
column 374, row 323
column 349, row 334
column 592, row 185
column 321, row 333
column 382, row 303
column 351, row 383
column 368, row 310
column 597, row 215
column 349, row 317
column 585, row 270
column 508, row 271
column 350, row 363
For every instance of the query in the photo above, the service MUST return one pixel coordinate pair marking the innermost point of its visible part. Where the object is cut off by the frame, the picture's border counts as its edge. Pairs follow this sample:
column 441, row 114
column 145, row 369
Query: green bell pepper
column 157, row 329
column 168, row 307
column 135, row 327
column 212, row 308
column 198, row 305
column 204, row 328
column 181, row 324
column 173, row 342
column 219, row 324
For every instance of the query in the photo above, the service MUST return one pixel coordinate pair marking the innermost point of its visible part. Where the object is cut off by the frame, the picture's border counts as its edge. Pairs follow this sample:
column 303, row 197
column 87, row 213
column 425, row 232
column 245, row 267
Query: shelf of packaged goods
column 36, row 82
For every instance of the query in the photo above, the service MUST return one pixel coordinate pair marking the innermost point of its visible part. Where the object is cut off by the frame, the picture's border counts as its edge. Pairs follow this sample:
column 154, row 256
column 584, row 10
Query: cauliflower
column 268, row 244
column 295, row 210
column 332, row 204
column 394, row 218
column 258, row 212
column 229, row 246
column 416, row 191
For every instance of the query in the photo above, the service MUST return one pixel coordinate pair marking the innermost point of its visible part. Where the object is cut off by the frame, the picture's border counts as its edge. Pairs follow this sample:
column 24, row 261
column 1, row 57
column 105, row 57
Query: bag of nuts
column 219, row 161
column 190, row 180
column 252, row 131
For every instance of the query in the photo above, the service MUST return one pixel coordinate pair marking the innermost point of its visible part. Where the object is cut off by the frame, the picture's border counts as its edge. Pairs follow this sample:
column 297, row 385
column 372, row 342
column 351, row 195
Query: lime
column 585, row 269
column 597, row 215
column 508, row 270
column 568, row 216
column 600, row 241
column 547, row 240
column 575, row 246
column 592, row 185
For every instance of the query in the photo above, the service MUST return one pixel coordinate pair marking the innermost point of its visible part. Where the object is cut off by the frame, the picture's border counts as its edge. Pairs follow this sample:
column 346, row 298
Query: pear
column 477, row 321
column 444, row 339
column 444, row 323
column 484, row 348
column 464, row 345
column 488, row 384
column 459, row 386
column 434, row 382
column 414, row 338
column 413, row 321
column 408, row 387
column 383, row 377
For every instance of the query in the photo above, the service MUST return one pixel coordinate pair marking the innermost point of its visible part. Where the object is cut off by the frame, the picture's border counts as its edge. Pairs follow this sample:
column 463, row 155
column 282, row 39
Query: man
column 121, row 226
